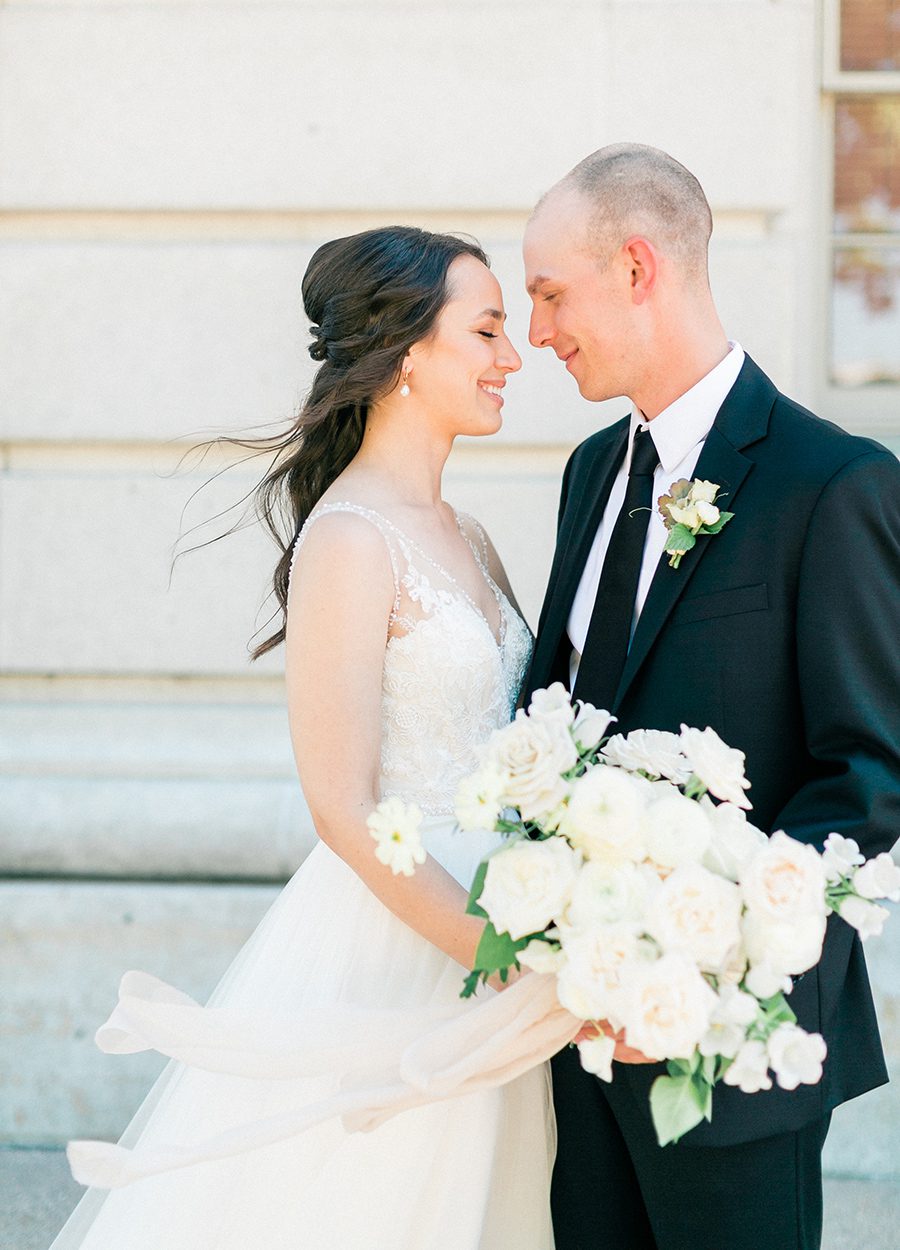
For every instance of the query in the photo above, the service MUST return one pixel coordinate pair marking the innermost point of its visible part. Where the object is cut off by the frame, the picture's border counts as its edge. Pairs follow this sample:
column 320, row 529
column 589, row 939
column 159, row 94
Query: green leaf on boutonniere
column 724, row 518
column 680, row 540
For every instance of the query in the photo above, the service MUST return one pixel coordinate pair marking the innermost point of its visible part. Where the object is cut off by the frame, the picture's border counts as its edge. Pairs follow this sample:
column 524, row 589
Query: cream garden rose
column 734, row 840
column 669, row 1007
column 528, row 884
column 697, row 914
column 785, row 881
column 676, row 830
column 603, row 818
column 655, row 752
column 532, row 753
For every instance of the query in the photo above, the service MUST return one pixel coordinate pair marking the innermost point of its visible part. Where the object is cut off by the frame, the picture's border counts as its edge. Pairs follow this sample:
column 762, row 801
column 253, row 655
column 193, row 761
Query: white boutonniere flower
column 689, row 509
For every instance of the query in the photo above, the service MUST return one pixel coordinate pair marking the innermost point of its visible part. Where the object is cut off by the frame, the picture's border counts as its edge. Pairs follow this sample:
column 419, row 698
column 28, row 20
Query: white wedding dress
column 238, row 1146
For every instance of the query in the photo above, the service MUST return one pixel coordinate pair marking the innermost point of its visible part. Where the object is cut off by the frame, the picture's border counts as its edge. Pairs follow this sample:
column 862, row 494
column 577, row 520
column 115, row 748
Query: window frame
column 871, row 409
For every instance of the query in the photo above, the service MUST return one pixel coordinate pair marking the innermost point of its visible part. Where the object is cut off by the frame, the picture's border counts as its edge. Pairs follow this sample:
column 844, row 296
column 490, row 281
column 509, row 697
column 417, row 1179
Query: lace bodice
column 448, row 681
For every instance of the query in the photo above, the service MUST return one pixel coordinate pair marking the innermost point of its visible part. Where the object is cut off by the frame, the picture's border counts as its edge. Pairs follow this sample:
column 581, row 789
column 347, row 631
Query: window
column 862, row 91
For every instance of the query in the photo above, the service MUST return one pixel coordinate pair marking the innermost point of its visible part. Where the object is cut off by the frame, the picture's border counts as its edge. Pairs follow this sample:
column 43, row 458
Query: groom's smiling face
column 580, row 309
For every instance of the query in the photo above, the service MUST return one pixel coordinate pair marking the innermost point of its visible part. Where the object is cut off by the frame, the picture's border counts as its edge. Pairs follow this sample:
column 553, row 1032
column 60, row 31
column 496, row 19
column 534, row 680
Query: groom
column 780, row 631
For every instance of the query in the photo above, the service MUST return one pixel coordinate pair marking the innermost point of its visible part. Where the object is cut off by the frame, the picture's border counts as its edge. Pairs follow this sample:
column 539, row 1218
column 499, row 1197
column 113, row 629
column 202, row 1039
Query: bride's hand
column 623, row 1053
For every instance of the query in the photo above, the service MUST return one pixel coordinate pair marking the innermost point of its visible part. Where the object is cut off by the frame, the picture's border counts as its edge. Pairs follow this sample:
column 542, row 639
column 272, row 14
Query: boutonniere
column 690, row 509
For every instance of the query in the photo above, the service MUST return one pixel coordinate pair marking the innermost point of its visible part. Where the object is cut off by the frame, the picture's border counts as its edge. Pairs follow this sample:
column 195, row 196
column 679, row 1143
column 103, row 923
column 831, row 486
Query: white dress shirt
column 678, row 433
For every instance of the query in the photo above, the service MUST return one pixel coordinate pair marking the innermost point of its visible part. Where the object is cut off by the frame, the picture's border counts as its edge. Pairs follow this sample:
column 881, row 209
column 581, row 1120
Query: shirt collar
column 687, row 421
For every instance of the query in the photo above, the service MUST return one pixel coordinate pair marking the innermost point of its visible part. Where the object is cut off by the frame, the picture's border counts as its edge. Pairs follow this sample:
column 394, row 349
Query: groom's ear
column 642, row 262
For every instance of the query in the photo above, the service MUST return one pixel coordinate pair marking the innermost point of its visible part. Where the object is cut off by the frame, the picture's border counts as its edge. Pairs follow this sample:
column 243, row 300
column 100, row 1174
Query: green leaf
column 778, row 1011
column 724, row 518
column 473, row 907
column 680, row 539
column 676, row 1106
column 708, row 1069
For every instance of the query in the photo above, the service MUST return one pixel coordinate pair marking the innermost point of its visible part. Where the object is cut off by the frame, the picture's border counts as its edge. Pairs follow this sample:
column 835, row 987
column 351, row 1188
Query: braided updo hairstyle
column 371, row 296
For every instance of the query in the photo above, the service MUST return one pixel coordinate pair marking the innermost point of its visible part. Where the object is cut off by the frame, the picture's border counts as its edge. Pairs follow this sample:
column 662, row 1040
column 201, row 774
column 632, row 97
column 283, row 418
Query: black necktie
column 609, row 633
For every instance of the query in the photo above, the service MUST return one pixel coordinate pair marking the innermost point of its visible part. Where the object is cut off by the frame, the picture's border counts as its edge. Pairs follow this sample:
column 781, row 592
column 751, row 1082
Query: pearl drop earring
column 404, row 389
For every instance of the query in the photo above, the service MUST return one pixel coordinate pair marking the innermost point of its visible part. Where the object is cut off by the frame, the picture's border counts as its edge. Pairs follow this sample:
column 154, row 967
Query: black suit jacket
column 782, row 632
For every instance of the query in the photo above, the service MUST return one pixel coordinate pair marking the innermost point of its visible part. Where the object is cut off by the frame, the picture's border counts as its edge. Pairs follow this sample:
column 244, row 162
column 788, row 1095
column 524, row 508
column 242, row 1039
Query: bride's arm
column 341, row 596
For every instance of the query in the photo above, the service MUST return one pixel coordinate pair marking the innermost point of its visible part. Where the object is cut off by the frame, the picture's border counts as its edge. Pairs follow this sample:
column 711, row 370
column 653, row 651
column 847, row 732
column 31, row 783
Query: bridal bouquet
column 630, row 871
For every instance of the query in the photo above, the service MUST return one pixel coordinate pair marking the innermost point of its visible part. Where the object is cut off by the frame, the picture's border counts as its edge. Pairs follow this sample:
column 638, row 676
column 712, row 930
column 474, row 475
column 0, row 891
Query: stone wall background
column 166, row 170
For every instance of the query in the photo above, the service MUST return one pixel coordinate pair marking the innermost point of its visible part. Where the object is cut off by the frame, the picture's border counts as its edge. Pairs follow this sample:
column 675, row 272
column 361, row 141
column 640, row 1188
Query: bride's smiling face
column 457, row 375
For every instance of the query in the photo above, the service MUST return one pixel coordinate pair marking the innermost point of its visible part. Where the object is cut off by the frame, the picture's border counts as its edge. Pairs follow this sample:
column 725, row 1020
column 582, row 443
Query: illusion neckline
column 499, row 639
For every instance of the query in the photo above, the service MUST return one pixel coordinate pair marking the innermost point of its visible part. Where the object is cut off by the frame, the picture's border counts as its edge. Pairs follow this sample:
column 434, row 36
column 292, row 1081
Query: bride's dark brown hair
column 371, row 296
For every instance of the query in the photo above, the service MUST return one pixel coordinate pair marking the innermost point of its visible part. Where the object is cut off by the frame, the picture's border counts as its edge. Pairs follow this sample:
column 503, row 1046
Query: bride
column 404, row 650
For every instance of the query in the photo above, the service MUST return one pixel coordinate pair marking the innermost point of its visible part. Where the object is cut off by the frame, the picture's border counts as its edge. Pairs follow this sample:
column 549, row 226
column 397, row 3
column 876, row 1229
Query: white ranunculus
column 532, row 754
column 796, row 1056
column 652, row 751
column 707, row 512
column 698, row 914
column 541, row 956
column 703, row 491
column 676, row 831
column 719, row 766
column 667, row 1006
column 597, row 965
column 607, row 894
column 604, row 816
column 591, row 724
column 867, row 918
column 785, row 880
column 597, row 1055
column 788, row 947
column 395, row 826
column 734, row 842
column 479, row 798
column 878, row 878
column 528, row 884
column 552, row 704
column 735, row 1011
column 840, row 856
column 750, row 1069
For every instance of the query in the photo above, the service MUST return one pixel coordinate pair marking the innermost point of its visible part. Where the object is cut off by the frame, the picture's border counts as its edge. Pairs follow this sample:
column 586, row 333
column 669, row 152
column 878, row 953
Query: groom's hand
column 623, row 1053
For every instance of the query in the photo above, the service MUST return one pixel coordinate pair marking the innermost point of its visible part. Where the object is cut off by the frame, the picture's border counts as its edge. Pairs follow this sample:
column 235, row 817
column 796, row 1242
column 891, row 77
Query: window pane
column 867, row 163
column 870, row 34
column 865, row 316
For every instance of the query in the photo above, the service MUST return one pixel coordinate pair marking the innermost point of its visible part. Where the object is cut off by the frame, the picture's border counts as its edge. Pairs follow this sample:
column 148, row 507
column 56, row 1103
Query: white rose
column 841, row 856
column 604, row 816
column 785, row 880
column 652, row 751
column 703, row 491
column 734, row 840
column 395, row 826
column 718, row 766
column 676, row 831
column 591, row 724
column 697, row 913
column 532, row 754
column 878, row 878
column 667, row 1006
column 750, row 1069
column 786, row 946
column 552, row 704
column 597, row 1055
column 707, row 512
column 597, row 965
column 865, row 917
column 479, row 798
column 607, row 894
column 735, row 1011
column 528, row 884
column 796, row 1056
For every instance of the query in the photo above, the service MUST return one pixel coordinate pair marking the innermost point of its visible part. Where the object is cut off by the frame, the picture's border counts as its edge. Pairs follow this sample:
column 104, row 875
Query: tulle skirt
column 305, row 1016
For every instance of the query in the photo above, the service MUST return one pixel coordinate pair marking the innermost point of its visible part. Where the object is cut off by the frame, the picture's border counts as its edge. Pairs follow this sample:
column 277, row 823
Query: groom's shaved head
column 631, row 189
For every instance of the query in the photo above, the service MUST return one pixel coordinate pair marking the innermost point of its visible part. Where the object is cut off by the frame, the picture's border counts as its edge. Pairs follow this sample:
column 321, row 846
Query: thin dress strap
column 381, row 523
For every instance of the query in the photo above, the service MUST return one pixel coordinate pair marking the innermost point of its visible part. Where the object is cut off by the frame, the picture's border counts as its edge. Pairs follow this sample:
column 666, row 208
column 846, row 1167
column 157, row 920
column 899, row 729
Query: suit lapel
column 742, row 420
column 588, row 496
